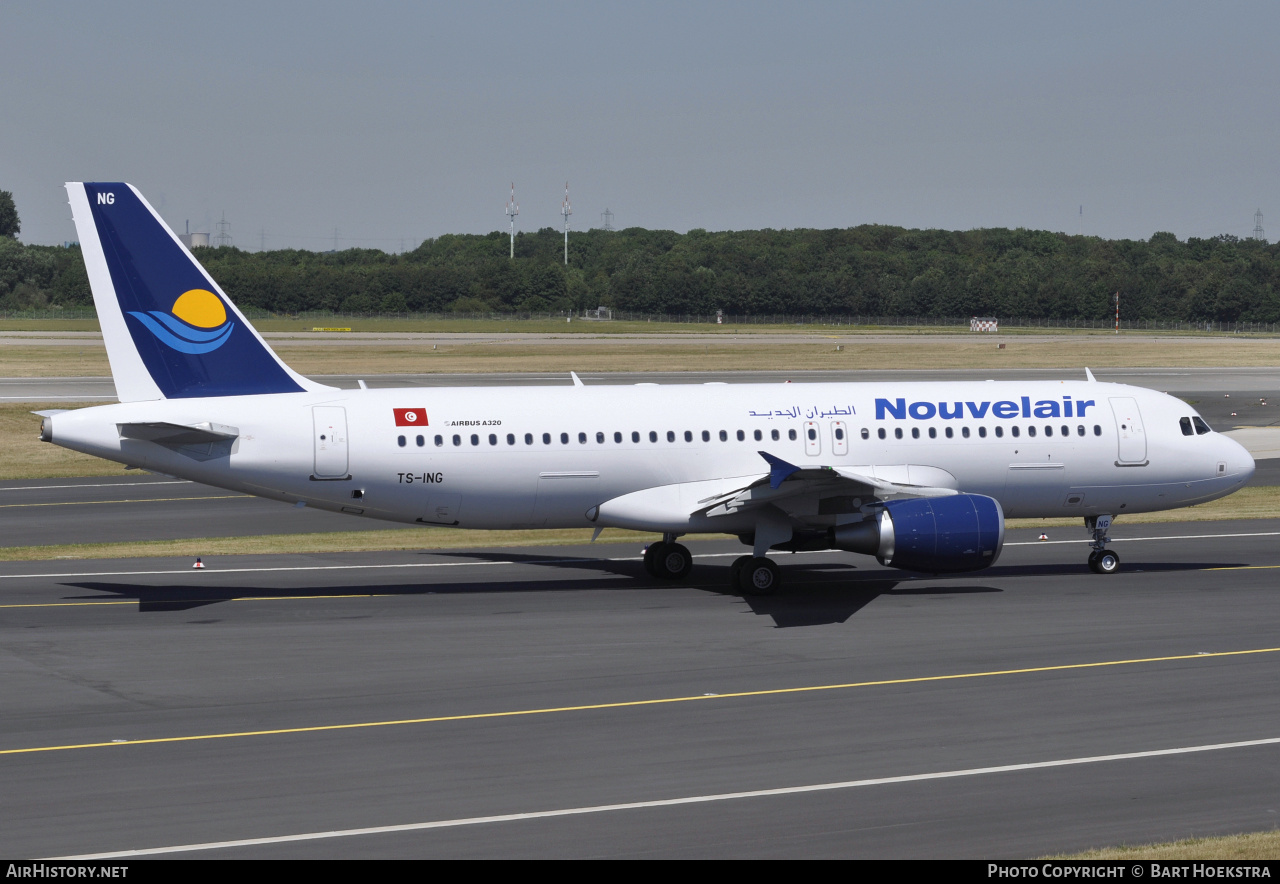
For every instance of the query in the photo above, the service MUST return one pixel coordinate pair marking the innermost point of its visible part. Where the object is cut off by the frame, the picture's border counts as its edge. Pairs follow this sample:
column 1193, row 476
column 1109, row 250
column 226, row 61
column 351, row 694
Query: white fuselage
column 542, row 457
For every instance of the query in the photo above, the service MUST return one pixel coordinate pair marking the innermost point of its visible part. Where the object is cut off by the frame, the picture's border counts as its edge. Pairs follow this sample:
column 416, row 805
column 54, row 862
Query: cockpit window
column 1201, row 426
column 1185, row 423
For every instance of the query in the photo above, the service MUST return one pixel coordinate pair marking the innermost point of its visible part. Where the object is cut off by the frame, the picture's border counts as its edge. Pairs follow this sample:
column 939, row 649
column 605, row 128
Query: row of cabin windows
column 1014, row 431
column 757, row 435
column 584, row 438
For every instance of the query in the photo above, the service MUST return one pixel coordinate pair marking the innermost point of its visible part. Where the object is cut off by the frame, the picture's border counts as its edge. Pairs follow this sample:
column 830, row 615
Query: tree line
column 866, row 270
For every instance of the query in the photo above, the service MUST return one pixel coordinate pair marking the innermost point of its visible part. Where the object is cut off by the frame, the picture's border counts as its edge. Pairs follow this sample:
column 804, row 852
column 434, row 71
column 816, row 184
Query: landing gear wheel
column 759, row 576
column 1107, row 562
column 673, row 561
column 735, row 571
column 650, row 558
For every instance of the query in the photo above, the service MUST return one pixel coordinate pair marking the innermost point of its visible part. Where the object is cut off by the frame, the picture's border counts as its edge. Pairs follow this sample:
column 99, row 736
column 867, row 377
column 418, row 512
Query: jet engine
column 962, row 532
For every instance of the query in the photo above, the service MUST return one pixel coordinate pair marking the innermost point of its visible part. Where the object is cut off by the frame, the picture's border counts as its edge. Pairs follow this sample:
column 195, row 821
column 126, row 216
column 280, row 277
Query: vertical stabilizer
column 170, row 331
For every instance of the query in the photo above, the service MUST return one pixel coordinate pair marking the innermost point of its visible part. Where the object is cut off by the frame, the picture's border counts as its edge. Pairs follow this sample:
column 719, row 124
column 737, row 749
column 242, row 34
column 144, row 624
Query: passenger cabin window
column 400, row 440
column 564, row 438
column 475, row 439
column 511, row 438
column 839, row 434
column 421, row 441
column 999, row 432
column 758, row 436
column 582, row 438
column 950, row 433
column 897, row 432
column 866, row 434
column 600, row 438
column 493, row 439
column 439, row 440
column 457, row 440
column 880, row 432
column 528, row 438
column 1031, row 431
column 653, row 436
column 915, row 432
column 617, row 437
column 706, row 435
column 1080, row 430
column 791, row 434
column 671, row 436
column 1016, row 432
column 635, row 436
column 964, row 431
column 773, row 434
column 1097, row 430
column 933, row 432
column 546, row 438
column 724, row 436
column 741, row 436
column 688, row 435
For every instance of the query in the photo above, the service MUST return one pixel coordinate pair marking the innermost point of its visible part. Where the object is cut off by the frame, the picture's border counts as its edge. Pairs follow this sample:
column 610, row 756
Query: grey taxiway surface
column 555, row 702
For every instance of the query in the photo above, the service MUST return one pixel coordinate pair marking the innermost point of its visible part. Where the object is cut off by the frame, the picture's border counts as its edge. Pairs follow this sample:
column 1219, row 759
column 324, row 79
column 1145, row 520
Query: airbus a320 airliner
column 919, row 475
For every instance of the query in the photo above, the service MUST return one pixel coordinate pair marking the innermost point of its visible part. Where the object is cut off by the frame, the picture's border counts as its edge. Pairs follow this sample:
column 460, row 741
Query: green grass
column 1254, row 846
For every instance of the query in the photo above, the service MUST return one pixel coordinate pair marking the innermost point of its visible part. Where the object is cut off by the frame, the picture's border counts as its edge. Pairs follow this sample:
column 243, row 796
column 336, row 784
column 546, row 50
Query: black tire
column 1093, row 562
column 1108, row 562
column 735, row 572
column 651, row 558
column 674, row 562
column 760, row 576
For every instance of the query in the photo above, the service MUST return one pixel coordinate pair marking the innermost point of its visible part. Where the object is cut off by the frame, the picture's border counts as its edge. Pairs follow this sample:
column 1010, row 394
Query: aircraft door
column 1132, row 439
column 812, row 439
column 330, row 423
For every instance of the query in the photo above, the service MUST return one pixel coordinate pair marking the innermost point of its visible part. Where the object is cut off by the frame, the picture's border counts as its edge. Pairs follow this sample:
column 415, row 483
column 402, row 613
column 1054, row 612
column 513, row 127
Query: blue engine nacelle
column 963, row 532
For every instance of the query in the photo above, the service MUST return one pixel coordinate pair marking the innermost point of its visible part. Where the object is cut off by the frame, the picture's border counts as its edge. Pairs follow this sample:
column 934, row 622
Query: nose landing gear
column 1101, row 560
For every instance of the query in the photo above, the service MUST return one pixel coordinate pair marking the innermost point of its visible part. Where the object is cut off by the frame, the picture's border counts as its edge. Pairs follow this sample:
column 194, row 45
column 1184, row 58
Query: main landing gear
column 754, row 575
column 1101, row 560
column 668, row 560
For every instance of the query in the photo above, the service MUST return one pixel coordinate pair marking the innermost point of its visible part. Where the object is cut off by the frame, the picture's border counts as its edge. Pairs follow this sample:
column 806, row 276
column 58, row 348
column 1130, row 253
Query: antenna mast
column 1258, row 232
column 566, row 210
column 512, row 211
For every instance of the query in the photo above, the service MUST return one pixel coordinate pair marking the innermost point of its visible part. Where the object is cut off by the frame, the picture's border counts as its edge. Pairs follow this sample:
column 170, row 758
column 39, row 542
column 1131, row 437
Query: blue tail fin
column 170, row 331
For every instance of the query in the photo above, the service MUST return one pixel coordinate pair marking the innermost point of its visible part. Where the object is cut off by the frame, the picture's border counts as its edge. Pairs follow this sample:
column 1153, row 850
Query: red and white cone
column 198, row 564
column 1044, row 536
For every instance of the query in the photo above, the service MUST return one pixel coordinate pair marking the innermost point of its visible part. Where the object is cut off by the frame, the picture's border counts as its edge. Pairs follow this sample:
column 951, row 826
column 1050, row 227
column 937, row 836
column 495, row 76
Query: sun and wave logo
column 196, row 324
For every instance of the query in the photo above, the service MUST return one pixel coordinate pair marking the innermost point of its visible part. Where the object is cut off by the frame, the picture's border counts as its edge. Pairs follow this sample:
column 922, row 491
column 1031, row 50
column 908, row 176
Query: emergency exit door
column 1132, row 449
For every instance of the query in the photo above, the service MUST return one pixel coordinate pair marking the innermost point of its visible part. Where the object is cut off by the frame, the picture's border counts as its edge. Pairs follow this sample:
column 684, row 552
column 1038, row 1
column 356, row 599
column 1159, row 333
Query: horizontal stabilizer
column 177, row 435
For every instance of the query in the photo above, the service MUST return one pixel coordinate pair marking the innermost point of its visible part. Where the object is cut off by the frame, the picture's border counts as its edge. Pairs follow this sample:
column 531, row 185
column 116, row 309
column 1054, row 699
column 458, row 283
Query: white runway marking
column 98, row 485
column 676, row 802
column 365, row 567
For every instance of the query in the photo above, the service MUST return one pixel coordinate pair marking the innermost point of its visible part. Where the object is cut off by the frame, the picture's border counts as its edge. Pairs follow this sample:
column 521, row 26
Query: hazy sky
column 399, row 121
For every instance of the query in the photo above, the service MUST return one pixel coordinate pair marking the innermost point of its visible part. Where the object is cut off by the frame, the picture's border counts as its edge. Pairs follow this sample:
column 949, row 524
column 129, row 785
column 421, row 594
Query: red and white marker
column 1044, row 536
column 198, row 564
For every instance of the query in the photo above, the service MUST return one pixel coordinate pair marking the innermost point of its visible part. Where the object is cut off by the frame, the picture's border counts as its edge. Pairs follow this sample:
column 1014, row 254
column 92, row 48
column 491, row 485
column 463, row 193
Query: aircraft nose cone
column 1240, row 462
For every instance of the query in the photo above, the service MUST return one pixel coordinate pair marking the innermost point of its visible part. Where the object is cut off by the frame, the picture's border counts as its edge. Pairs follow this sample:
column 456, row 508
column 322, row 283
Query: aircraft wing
column 788, row 481
column 786, row 491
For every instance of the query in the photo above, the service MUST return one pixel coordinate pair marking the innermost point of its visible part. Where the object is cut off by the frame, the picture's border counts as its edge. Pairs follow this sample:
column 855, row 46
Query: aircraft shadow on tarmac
column 815, row 594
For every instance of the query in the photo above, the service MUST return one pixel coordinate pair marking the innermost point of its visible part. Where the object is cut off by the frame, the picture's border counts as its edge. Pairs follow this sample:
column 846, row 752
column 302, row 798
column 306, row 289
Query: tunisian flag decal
column 410, row 417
